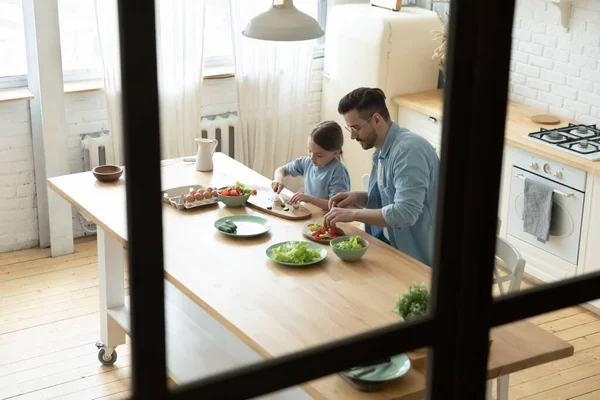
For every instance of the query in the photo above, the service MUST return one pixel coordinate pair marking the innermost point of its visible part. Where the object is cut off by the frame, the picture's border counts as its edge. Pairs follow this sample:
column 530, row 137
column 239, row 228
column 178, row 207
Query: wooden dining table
column 272, row 309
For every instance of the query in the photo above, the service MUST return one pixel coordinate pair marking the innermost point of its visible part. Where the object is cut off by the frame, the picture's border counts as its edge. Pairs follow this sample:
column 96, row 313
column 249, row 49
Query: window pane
column 12, row 39
column 81, row 57
column 218, row 49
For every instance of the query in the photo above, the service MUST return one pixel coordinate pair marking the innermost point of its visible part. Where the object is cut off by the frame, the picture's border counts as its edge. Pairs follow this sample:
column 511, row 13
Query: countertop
column 518, row 124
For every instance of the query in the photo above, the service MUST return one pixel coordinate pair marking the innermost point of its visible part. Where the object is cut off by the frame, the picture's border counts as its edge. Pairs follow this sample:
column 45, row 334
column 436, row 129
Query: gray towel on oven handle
column 537, row 210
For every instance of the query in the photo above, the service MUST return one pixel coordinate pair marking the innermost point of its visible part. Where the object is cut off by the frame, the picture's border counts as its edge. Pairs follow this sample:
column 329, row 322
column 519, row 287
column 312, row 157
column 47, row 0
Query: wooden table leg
column 112, row 294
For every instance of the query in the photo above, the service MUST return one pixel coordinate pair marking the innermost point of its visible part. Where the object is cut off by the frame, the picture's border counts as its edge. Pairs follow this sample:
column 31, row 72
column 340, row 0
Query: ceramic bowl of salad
column 235, row 195
column 349, row 248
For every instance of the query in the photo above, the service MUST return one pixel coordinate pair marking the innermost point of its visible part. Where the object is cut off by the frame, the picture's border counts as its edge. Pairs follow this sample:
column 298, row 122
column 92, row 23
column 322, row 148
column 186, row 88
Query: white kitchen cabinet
column 425, row 125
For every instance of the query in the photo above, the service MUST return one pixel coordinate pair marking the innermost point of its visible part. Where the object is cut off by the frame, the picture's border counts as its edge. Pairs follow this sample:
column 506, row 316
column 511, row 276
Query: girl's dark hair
column 328, row 135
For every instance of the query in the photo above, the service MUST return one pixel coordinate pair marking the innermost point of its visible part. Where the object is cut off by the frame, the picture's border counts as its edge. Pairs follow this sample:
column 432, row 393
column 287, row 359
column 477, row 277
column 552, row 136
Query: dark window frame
column 462, row 307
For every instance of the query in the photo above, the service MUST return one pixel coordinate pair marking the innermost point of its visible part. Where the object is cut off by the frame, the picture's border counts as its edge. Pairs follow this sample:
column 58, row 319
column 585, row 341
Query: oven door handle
column 521, row 176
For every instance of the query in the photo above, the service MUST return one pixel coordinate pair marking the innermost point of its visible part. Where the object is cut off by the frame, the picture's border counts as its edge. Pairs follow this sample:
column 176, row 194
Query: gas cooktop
column 581, row 140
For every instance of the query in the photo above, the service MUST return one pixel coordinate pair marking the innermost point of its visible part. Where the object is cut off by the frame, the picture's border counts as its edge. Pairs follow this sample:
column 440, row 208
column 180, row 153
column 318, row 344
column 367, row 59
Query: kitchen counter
column 518, row 123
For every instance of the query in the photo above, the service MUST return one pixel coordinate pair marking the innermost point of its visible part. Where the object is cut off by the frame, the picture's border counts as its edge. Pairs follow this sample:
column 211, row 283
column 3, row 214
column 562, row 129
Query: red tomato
column 254, row 192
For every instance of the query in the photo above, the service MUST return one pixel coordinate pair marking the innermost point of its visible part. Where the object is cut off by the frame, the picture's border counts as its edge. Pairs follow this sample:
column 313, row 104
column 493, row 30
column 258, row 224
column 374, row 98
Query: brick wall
column 554, row 70
column 18, row 209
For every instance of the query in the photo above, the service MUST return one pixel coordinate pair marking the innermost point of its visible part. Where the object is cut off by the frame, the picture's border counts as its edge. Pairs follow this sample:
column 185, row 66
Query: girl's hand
column 298, row 197
column 277, row 186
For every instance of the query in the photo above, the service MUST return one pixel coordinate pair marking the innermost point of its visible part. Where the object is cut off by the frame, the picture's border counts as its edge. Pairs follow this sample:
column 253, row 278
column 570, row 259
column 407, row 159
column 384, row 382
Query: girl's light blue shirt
column 322, row 182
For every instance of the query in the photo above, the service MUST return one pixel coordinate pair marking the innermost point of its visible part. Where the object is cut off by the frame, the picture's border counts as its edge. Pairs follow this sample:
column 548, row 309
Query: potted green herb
column 414, row 302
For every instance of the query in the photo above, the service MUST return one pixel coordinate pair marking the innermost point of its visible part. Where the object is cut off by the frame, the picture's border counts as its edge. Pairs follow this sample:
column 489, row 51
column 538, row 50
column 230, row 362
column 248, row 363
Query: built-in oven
column 567, row 203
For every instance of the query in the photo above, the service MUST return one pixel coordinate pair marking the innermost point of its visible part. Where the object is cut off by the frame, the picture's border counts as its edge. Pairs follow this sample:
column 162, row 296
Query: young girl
column 323, row 172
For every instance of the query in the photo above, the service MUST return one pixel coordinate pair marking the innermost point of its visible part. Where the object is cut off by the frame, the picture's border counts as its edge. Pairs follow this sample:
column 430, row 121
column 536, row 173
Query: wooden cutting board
column 307, row 233
column 268, row 202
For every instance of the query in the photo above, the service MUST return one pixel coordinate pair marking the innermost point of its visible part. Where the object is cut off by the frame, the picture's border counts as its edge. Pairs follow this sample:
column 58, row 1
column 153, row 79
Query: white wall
column 554, row 70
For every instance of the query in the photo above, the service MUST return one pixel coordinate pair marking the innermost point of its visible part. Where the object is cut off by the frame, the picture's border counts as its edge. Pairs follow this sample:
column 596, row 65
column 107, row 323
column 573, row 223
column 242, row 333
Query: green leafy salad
column 352, row 243
column 295, row 252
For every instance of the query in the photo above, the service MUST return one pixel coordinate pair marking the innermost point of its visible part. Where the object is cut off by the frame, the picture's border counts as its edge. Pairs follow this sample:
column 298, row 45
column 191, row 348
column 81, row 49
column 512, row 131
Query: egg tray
column 174, row 197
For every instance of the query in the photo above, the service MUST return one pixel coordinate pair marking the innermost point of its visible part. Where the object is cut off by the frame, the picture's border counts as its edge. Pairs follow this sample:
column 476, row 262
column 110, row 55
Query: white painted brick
column 538, row 85
column 512, row 66
column 88, row 127
column 592, row 27
column 511, row 87
column 523, row 35
column 527, row 70
column 18, row 154
column 11, row 107
column 586, row 15
column 564, row 91
column 537, row 27
column 536, row 104
column 10, row 215
column 517, row 98
column 590, row 38
column 586, row 119
column 572, row 47
column 26, row 190
column 550, row 99
column 589, row 98
column 579, row 84
column 554, row 77
column 561, row 112
column 592, row 51
column 577, row 107
column 547, row 16
column 592, row 75
column 596, row 112
column 558, row 31
column 525, row 91
column 583, row 61
column 519, row 56
column 18, row 203
column 14, row 129
column 7, row 192
column 541, row 62
column 15, row 142
column 568, row 69
column 556, row 54
column 597, row 88
column 544, row 39
column 517, row 78
column 17, row 179
column 577, row 26
column 15, row 167
column 531, row 48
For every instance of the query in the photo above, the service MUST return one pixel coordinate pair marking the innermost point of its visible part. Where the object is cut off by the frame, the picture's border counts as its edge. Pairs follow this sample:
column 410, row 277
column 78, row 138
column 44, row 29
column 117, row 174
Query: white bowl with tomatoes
column 235, row 195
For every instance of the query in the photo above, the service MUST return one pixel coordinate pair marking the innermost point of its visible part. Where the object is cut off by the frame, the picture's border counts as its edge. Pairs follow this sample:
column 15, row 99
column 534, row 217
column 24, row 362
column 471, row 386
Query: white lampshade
column 283, row 22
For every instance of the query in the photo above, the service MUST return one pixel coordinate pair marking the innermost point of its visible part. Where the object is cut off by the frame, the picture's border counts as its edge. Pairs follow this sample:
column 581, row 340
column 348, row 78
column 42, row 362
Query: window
column 80, row 46
column 218, row 46
column 13, row 67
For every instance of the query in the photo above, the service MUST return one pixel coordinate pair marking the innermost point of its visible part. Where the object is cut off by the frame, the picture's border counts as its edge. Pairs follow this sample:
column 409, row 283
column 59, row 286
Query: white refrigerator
column 375, row 47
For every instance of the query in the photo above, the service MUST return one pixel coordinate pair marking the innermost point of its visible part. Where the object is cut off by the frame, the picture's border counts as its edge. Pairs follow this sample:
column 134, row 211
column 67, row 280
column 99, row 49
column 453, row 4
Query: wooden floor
column 49, row 324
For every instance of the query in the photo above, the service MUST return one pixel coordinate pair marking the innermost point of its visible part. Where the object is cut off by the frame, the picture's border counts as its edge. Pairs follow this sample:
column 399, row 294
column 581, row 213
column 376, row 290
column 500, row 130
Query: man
column 402, row 196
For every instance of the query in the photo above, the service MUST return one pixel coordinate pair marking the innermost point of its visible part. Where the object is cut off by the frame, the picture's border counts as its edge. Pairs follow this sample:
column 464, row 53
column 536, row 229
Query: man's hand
column 277, row 186
column 298, row 197
column 336, row 215
column 346, row 199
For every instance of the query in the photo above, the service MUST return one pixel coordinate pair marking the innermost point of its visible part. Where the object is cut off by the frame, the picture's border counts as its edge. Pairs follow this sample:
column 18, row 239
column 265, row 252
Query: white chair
column 511, row 260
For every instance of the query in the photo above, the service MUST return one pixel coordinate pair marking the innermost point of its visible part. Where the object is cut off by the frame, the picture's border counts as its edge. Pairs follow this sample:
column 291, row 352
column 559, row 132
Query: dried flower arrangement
column 440, row 51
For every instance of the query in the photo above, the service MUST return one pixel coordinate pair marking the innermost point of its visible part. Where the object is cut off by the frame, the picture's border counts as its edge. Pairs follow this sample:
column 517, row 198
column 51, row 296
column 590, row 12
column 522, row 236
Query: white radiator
column 94, row 146
column 223, row 129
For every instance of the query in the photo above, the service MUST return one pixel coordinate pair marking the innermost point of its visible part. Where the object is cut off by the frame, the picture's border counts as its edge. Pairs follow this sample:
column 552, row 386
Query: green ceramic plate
column 311, row 246
column 247, row 225
column 399, row 366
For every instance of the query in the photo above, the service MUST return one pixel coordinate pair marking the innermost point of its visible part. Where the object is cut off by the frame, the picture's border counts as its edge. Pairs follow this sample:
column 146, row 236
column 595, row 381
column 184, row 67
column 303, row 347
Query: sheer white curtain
column 179, row 36
column 272, row 81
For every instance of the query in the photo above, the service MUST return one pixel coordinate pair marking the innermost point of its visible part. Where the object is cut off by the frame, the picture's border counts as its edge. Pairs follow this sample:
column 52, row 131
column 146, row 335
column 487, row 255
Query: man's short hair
column 367, row 101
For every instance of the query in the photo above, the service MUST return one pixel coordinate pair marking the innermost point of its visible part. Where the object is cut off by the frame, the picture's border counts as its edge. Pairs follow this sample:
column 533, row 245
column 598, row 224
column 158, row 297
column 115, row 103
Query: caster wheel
column 104, row 361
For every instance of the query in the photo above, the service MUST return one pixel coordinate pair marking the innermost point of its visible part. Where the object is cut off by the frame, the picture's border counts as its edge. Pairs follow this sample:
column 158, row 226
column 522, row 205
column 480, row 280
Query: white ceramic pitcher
column 206, row 149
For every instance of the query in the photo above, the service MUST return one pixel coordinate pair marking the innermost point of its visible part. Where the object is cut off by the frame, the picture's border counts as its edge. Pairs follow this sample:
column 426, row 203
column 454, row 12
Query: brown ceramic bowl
column 107, row 173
